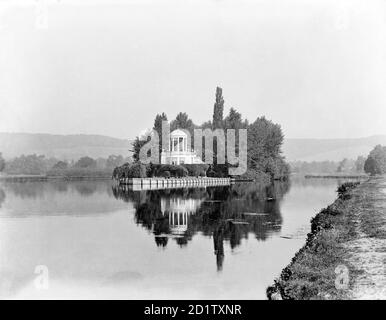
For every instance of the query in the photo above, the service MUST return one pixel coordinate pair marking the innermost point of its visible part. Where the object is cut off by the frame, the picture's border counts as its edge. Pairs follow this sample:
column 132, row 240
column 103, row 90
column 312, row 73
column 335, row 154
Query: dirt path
column 366, row 253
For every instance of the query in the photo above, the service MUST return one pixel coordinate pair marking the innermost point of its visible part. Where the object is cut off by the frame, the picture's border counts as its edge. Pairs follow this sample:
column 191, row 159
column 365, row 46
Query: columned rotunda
column 179, row 151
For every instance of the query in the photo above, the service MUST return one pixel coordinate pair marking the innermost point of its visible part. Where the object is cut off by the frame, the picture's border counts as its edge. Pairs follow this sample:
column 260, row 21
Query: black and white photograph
column 193, row 150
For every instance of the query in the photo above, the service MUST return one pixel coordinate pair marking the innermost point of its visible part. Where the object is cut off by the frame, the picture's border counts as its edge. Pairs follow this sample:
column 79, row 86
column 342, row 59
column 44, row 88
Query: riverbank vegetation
column 265, row 138
column 312, row 272
column 140, row 170
column 376, row 161
column 343, row 167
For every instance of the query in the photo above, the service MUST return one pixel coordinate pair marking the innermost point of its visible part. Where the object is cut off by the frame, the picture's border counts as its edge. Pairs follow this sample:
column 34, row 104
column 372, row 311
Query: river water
column 91, row 239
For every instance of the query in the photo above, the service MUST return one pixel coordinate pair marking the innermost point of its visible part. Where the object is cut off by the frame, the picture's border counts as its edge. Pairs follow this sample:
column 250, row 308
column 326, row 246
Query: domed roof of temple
column 178, row 133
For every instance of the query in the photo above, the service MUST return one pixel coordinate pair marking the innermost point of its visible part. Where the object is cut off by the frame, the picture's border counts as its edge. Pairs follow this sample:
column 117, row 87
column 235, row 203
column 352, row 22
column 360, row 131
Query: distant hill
column 65, row 147
column 75, row 146
column 330, row 149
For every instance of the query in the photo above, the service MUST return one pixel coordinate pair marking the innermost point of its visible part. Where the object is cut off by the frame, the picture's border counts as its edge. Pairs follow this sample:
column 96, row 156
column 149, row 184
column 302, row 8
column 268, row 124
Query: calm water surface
column 100, row 241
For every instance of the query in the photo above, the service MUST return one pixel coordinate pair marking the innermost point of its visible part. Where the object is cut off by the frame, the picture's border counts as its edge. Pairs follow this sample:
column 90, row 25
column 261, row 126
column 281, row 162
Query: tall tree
column 343, row 165
column 158, row 123
column 376, row 161
column 158, row 127
column 182, row 121
column 265, row 139
column 137, row 144
column 233, row 120
column 360, row 164
column 218, row 110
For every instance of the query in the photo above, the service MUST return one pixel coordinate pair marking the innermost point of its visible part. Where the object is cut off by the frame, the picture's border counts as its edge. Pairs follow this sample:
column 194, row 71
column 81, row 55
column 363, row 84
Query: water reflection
column 229, row 213
column 2, row 196
column 53, row 198
column 100, row 241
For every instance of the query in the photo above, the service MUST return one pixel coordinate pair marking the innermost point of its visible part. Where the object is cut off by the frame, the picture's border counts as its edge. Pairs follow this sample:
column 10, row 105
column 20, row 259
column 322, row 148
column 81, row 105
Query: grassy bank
column 311, row 273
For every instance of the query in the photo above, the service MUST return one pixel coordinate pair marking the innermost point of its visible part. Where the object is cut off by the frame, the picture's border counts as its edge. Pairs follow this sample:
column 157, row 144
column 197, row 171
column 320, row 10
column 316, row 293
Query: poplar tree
column 218, row 110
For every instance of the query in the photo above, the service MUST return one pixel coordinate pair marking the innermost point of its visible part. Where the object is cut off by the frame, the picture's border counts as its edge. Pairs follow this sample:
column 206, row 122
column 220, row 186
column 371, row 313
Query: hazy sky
column 316, row 67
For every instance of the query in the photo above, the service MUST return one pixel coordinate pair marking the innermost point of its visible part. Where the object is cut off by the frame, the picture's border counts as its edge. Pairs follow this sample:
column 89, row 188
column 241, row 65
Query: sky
column 318, row 68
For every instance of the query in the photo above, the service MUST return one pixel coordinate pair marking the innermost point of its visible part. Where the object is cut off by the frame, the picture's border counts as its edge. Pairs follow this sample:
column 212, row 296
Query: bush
column 135, row 170
column 196, row 170
column 218, row 171
column 174, row 170
column 166, row 174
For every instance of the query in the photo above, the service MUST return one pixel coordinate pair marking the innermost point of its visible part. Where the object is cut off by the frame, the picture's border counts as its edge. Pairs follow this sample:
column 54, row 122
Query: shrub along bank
column 139, row 170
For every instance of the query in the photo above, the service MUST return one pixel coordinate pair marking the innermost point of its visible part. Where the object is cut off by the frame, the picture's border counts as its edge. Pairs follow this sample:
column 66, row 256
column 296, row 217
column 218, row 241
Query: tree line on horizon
column 39, row 164
column 347, row 166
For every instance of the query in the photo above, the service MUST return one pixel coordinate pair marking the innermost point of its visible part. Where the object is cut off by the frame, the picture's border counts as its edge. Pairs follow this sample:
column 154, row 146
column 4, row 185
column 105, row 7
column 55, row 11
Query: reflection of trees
column 38, row 189
column 86, row 189
column 227, row 213
column 2, row 196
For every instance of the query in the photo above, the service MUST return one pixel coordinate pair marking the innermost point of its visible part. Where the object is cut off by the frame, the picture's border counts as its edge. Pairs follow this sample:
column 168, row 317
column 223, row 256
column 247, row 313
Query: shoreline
column 347, row 176
column 34, row 178
column 344, row 254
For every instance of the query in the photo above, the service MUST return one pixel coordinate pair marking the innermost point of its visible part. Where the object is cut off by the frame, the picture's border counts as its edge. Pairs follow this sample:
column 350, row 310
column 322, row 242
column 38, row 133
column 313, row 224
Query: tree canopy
column 265, row 139
column 86, row 162
column 218, row 110
column 376, row 161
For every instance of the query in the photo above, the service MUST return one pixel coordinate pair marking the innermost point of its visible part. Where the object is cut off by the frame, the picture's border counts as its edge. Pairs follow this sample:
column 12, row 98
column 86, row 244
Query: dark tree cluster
column 265, row 140
column 376, row 161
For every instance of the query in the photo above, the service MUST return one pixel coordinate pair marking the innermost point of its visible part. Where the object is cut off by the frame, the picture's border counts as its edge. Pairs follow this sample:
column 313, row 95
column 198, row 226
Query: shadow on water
column 38, row 189
column 57, row 198
column 226, row 213
column 2, row 196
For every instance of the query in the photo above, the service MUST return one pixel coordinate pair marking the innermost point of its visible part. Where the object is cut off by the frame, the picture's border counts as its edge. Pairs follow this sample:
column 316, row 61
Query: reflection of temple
column 213, row 211
column 178, row 211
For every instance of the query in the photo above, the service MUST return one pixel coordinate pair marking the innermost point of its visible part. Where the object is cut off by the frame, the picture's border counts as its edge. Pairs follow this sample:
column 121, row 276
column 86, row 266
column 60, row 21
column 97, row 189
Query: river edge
column 344, row 254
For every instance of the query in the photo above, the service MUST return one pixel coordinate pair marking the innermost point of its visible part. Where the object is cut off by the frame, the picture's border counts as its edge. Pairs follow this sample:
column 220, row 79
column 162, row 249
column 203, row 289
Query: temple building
column 178, row 210
column 179, row 150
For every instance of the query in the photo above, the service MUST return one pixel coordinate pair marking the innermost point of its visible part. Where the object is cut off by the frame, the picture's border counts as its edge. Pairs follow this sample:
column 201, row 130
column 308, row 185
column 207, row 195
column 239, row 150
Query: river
column 93, row 240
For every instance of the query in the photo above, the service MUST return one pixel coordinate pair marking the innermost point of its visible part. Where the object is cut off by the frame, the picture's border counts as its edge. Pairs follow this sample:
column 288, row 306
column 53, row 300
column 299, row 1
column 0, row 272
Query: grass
column 311, row 273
